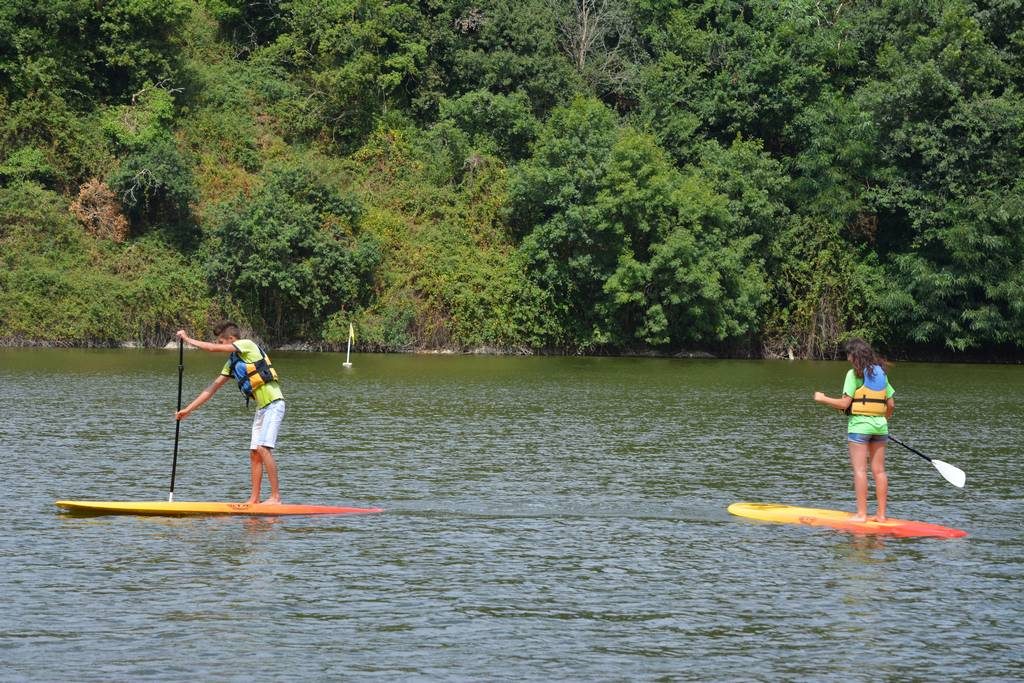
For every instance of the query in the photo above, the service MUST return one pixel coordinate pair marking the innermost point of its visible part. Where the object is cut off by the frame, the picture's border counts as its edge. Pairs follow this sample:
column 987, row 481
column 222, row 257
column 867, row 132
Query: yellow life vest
column 251, row 376
column 867, row 401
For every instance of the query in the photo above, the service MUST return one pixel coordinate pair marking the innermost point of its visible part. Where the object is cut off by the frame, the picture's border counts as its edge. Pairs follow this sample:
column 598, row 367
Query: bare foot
column 251, row 501
column 273, row 500
column 858, row 518
column 880, row 518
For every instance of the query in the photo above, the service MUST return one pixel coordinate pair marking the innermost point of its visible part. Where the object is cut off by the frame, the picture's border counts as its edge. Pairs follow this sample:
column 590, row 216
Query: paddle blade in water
column 954, row 475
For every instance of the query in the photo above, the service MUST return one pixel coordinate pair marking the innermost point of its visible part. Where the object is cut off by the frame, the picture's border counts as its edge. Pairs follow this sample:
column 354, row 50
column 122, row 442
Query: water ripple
column 547, row 519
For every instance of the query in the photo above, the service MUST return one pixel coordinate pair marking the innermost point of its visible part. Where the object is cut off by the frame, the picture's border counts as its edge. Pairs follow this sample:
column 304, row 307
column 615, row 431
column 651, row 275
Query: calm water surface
column 546, row 519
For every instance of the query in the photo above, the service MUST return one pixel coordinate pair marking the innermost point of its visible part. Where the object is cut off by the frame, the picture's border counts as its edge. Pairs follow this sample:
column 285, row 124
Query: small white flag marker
column 348, row 352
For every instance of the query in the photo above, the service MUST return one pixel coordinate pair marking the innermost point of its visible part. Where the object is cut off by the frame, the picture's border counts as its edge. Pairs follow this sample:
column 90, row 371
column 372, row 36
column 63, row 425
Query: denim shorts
column 266, row 425
column 867, row 438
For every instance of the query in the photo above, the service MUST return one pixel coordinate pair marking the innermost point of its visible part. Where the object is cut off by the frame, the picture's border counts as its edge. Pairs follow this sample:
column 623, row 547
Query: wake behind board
column 835, row 519
column 183, row 508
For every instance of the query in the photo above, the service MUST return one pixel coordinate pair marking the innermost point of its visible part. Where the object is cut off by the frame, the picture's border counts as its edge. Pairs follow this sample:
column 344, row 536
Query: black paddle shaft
column 177, row 422
column 894, row 439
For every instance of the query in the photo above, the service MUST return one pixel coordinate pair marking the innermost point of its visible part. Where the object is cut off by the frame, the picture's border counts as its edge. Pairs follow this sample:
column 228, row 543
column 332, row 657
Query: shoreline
column 326, row 347
column 1008, row 356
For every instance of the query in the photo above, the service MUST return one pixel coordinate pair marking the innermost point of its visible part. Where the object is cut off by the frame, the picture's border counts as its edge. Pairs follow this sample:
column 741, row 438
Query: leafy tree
column 631, row 250
column 504, row 47
column 293, row 253
column 728, row 68
column 28, row 163
column 502, row 124
column 569, row 251
column 947, row 183
column 756, row 186
column 43, row 139
column 154, row 179
column 85, row 52
column 687, row 273
column 355, row 59
column 156, row 187
column 706, row 290
column 250, row 25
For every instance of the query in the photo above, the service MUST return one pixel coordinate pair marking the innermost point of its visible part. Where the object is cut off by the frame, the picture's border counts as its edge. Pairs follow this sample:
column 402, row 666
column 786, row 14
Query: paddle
column 177, row 423
column 954, row 475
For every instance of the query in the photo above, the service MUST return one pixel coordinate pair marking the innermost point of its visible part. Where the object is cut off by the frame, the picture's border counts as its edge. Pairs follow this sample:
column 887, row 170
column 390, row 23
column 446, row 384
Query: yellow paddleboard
column 835, row 519
column 181, row 508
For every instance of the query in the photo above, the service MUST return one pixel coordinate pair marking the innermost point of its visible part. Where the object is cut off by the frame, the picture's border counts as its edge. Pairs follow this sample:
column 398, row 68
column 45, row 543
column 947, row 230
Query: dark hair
column 862, row 356
column 227, row 329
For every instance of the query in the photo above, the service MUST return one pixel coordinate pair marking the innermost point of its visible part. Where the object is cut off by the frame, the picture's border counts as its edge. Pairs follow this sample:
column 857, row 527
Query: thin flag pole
column 177, row 423
column 348, row 351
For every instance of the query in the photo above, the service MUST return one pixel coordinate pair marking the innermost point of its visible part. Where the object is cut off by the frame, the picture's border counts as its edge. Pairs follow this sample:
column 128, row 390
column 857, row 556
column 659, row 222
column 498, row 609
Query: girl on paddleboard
column 867, row 399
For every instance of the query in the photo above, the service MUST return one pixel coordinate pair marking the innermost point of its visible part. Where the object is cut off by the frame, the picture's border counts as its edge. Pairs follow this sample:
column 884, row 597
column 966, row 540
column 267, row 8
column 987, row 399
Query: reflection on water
column 546, row 519
column 861, row 547
column 258, row 525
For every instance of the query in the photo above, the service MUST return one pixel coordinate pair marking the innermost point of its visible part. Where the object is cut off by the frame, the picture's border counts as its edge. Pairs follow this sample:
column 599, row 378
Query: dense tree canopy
column 579, row 175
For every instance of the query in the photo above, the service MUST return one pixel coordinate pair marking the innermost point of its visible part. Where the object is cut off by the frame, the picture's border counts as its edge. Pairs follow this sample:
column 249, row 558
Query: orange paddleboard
column 182, row 508
column 835, row 519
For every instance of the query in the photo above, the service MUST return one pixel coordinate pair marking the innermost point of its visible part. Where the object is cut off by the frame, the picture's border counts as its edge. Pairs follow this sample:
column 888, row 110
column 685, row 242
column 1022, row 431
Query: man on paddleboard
column 250, row 366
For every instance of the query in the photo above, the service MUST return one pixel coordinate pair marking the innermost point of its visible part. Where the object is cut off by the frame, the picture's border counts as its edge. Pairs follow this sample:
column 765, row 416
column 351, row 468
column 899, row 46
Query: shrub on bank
column 60, row 284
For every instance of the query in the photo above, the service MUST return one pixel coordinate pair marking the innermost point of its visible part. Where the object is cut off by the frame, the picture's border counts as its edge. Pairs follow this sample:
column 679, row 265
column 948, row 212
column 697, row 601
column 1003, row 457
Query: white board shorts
column 266, row 424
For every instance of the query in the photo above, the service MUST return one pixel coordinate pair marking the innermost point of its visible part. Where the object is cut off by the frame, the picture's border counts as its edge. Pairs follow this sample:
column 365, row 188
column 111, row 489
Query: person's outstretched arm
column 840, row 404
column 205, row 346
column 203, row 397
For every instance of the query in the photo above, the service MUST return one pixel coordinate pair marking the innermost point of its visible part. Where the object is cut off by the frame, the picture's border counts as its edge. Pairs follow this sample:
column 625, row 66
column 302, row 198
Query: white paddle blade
column 954, row 475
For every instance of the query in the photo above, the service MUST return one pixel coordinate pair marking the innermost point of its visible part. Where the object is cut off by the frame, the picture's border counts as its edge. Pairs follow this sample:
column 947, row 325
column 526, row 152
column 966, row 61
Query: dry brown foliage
column 98, row 209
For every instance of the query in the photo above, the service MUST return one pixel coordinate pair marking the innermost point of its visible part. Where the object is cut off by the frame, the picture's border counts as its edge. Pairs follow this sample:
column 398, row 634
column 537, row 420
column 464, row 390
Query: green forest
column 570, row 176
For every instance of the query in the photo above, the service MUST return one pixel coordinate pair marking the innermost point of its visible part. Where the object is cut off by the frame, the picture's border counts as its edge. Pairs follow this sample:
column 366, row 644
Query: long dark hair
column 862, row 356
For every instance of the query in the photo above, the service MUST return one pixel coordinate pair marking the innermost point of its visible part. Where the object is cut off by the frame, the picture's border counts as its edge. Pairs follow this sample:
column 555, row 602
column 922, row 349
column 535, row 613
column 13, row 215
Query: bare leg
column 266, row 456
column 876, row 451
column 859, row 463
column 256, row 475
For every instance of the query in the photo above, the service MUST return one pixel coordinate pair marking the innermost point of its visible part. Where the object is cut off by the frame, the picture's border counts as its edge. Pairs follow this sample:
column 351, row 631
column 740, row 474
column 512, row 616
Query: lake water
column 546, row 519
